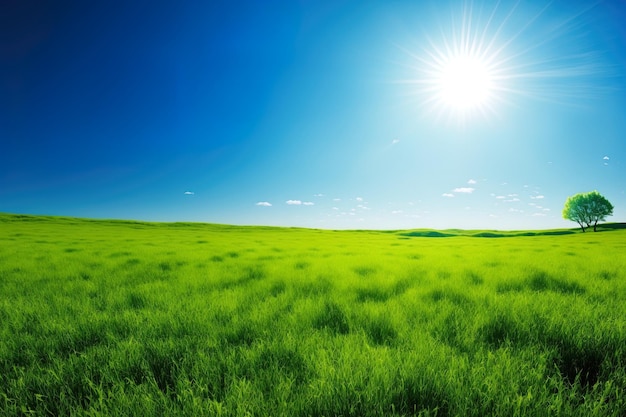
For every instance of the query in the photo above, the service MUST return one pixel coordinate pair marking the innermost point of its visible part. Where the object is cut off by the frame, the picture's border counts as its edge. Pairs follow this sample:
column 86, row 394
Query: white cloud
column 447, row 195
column 189, row 193
column 537, row 197
column 336, row 199
column 471, row 181
column 512, row 200
column 264, row 204
column 500, row 197
column 308, row 203
column 465, row 190
column 294, row 202
column 335, row 208
column 539, row 214
column 393, row 142
column 359, row 199
column 606, row 158
column 318, row 195
column 397, row 212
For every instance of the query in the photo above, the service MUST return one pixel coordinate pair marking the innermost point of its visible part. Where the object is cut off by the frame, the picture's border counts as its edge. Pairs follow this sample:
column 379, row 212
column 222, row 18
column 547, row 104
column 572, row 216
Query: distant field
column 130, row 319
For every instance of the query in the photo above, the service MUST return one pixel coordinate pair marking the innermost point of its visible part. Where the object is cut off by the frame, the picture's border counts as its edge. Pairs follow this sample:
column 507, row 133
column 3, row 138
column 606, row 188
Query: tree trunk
column 594, row 226
column 581, row 226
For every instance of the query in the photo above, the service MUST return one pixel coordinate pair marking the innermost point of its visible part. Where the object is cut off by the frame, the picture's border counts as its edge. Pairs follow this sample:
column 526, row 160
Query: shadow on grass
column 608, row 227
column 578, row 361
column 332, row 318
column 541, row 281
column 485, row 234
column 428, row 233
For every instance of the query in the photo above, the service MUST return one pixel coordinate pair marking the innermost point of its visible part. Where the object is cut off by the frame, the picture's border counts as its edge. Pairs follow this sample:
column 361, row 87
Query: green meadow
column 127, row 318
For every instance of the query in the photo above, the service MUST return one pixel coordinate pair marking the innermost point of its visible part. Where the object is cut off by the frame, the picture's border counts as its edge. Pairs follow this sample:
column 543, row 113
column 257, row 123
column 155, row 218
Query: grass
column 130, row 318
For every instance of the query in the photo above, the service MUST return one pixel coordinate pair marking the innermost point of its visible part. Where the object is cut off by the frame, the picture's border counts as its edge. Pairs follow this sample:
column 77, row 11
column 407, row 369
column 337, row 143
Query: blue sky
column 327, row 114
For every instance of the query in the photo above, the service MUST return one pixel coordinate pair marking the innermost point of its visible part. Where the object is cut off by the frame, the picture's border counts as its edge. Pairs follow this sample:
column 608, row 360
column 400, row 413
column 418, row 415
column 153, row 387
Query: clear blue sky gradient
column 306, row 113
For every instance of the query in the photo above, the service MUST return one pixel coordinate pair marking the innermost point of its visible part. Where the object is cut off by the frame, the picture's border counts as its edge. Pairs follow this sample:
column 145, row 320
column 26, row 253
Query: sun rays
column 487, row 56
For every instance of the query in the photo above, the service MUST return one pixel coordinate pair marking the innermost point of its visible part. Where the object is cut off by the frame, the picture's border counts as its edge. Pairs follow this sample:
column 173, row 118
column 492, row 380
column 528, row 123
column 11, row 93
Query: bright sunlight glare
column 488, row 54
column 465, row 82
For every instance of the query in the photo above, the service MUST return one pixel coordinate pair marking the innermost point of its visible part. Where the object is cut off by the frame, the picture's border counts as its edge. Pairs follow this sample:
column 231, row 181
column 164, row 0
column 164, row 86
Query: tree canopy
column 587, row 209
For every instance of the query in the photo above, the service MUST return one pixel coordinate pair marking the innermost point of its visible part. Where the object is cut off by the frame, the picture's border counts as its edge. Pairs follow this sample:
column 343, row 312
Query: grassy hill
column 109, row 317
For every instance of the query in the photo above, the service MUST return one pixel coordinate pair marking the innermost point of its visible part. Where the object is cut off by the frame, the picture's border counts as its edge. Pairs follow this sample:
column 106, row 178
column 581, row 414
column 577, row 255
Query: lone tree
column 587, row 209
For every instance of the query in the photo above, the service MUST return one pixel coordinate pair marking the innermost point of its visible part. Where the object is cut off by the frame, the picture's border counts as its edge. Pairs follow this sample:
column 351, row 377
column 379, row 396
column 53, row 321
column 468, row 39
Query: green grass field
column 129, row 318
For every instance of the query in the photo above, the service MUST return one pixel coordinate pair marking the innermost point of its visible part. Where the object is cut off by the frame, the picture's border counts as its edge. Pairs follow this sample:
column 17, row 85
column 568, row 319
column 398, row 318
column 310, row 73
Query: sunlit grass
column 129, row 318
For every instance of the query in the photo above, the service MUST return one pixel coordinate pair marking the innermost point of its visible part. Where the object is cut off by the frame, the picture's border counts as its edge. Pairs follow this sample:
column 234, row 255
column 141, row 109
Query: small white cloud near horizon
column 308, row 203
column 465, row 190
column 264, row 204
column 189, row 193
column 471, row 181
column 606, row 158
column 447, row 195
column 294, row 202
column 537, row 197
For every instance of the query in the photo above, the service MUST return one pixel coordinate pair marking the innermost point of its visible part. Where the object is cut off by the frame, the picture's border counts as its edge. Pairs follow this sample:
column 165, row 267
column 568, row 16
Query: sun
column 465, row 73
column 486, row 58
column 464, row 83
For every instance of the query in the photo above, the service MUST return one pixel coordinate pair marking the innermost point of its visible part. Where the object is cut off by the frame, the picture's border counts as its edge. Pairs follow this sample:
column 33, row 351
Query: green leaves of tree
column 587, row 209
